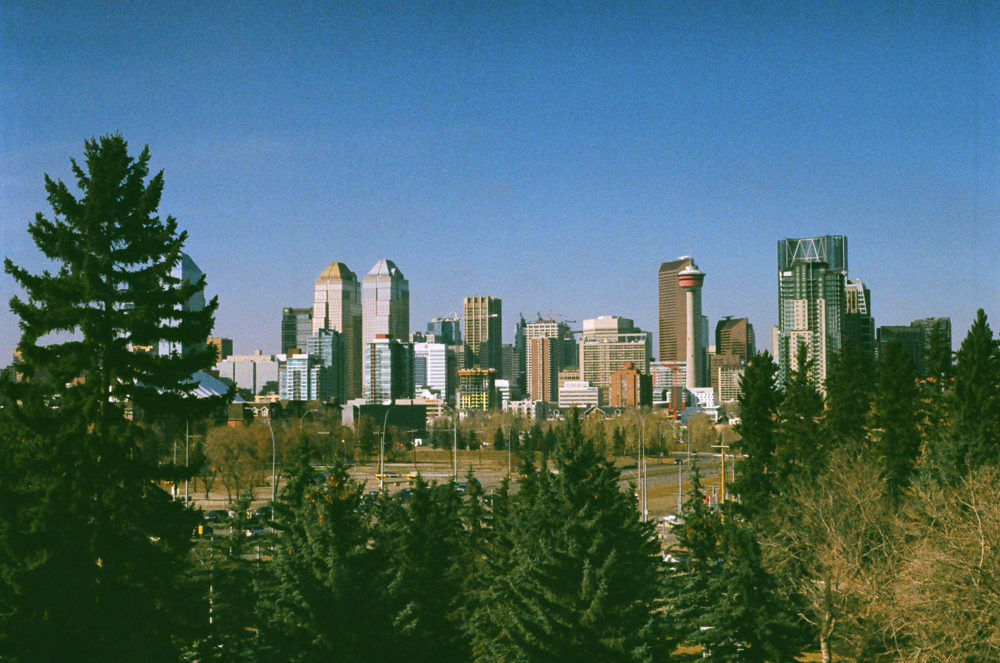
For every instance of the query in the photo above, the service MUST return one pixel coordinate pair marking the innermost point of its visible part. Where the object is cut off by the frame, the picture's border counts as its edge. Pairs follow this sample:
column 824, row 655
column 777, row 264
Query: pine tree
column 759, row 402
column 895, row 419
column 94, row 561
column 571, row 573
column 976, row 438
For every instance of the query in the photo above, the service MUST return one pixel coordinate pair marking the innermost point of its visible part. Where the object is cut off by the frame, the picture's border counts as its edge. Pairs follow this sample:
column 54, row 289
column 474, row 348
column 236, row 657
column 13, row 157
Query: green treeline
column 863, row 524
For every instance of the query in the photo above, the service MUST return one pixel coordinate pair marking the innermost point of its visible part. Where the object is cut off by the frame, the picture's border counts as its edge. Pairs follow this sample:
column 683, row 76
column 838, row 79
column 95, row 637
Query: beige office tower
column 337, row 306
column 607, row 344
column 483, row 325
column 385, row 303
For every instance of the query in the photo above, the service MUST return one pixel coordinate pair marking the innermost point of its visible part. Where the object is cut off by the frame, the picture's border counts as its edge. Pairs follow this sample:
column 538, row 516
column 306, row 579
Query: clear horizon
column 550, row 156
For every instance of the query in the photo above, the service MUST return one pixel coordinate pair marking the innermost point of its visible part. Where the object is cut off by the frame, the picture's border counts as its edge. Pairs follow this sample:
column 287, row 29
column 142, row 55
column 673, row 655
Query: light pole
column 274, row 465
column 454, row 440
column 643, row 497
column 381, row 451
column 306, row 414
column 680, row 486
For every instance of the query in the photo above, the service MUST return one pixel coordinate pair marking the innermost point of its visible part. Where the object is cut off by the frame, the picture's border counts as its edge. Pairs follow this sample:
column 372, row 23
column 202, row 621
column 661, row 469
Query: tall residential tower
column 483, row 325
column 812, row 276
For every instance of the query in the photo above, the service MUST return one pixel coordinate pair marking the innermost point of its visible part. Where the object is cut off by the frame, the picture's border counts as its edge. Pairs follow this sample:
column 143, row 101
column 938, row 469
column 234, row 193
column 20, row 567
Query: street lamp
column 381, row 451
column 454, row 443
column 643, row 497
column 274, row 465
column 680, row 490
column 306, row 414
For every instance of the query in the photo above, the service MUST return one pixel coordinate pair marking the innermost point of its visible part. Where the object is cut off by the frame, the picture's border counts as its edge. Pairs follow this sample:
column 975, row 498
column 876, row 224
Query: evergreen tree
column 572, row 574
column 895, row 419
column 94, row 560
column 750, row 621
column 690, row 585
column 619, row 441
column 976, row 438
column 423, row 538
column 323, row 596
column 759, row 402
column 936, row 404
column 849, row 385
column 801, row 450
column 225, row 600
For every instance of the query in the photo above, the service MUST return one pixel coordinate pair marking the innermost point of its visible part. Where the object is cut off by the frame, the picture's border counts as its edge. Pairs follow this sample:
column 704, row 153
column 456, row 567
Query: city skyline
column 455, row 141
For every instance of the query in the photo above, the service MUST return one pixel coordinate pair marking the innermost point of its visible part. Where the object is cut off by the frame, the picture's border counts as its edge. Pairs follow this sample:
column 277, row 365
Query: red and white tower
column 690, row 280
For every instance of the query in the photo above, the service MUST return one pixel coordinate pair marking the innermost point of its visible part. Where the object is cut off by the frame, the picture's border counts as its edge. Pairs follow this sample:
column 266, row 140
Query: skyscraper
column 674, row 328
column 187, row 272
column 735, row 336
column 859, row 326
column 483, row 325
column 812, row 275
column 444, row 330
column 607, row 344
column 337, row 306
column 543, row 368
column 296, row 328
column 385, row 303
column 388, row 370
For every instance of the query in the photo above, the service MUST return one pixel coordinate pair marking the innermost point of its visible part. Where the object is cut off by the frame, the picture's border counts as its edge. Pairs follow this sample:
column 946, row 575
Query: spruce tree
column 895, row 419
column 976, row 438
column 801, row 449
column 849, row 385
column 323, row 595
column 690, row 585
column 423, row 540
column 571, row 573
column 94, row 559
column 759, row 401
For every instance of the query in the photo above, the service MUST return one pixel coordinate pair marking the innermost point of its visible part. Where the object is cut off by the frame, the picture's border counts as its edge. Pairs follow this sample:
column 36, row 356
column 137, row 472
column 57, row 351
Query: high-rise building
column 250, row 372
column 544, row 386
column 188, row 273
column 735, row 336
column 483, row 331
column 812, row 275
column 607, row 343
column 521, row 347
column 326, row 347
column 223, row 347
column 388, row 370
column 673, row 311
column 296, row 328
column 430, row 368
column 444, row 330
column 543, row 368
column 477, row 389
column 300, row 378
column 385, row 303
column 630, row 388
column 337, row 306
column 915, row 339
column 859, row 326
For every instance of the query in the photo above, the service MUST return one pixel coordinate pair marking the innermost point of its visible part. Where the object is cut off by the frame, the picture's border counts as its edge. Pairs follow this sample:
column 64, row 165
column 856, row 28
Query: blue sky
column 551, row 154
